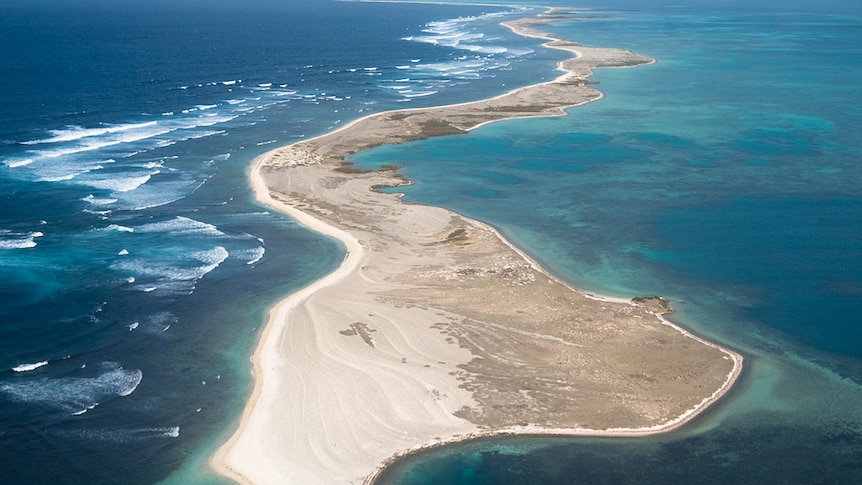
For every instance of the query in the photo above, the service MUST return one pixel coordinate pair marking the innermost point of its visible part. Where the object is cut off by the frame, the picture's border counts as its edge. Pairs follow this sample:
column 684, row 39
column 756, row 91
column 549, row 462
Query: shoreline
column 277, row 314
column 301, row 174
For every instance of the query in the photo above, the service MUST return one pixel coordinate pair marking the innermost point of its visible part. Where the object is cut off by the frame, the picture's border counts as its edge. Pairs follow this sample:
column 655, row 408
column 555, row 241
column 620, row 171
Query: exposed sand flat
column 435, row 328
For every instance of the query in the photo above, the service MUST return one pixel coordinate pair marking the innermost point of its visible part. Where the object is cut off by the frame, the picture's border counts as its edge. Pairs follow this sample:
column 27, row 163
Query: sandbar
column 435, row 328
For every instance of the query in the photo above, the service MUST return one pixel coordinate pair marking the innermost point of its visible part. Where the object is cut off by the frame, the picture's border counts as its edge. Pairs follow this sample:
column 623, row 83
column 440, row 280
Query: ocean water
column 725, row 176
column 135, row 268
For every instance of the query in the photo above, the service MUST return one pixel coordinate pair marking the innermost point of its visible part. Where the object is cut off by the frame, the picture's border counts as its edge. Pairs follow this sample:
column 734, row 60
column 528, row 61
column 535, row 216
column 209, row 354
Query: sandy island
column 436, row 329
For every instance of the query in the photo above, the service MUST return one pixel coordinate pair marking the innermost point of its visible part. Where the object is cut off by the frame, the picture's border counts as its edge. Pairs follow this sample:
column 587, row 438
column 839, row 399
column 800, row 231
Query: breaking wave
column 29, row 367
column 173, row 274
column 482, row 54
column 120, row 435
column 74, row 133
column 75, row 395
column 17, row 240
column 179, row 226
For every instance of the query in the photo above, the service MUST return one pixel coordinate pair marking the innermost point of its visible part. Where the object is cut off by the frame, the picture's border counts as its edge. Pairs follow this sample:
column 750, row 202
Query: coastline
column 384, row 275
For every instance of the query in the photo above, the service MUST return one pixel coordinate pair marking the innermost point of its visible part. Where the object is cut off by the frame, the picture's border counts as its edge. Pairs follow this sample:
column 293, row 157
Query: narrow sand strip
column 435, row 328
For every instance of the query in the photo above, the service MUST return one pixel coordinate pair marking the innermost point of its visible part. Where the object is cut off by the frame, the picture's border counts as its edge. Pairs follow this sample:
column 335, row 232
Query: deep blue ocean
column 136, row 271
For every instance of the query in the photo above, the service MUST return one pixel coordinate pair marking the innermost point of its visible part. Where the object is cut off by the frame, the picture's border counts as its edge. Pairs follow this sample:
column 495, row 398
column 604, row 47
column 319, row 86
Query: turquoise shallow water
column 725, row 176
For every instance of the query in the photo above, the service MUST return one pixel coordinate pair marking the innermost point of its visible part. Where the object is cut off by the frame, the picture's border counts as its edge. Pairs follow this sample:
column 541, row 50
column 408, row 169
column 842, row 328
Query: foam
column 64, row 156
column 55, row 171
column 117, row 227
column 75, row 394
column 420, row 94
column 88, row 408
column 515, row 52
column 152, row 165
column 16, row 240
column 119, row 182
column 486, row 53
column 490, row 49
column 204, row 134
column 99, row 201
column 59, row 178
column 251, row 255
column 158, row 194
column 74, row 133
column 245, row 216
column 397, row 87
column 29, row 367
column 183, row 278
column 102, row 214
column 96, row 143
column 211, row 258
column 180, row 226
column 18, row 163
column 209, row 120
column 260, row 252
column 119, row 435
column 164, row 143
column 157, row 323
column 176, row 275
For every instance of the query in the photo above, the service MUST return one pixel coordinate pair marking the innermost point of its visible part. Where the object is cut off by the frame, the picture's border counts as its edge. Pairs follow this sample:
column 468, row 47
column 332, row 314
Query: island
column 435, row 328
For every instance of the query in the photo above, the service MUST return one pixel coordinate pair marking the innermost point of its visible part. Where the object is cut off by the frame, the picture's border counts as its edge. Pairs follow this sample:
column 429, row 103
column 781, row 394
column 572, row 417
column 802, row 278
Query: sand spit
column 434, row 328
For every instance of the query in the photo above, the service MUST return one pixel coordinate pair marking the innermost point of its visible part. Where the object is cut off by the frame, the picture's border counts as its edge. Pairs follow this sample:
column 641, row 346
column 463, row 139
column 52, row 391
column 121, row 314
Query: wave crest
column 29, row 367
column 121, row 435
column 75, row 394
column 18, row 240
